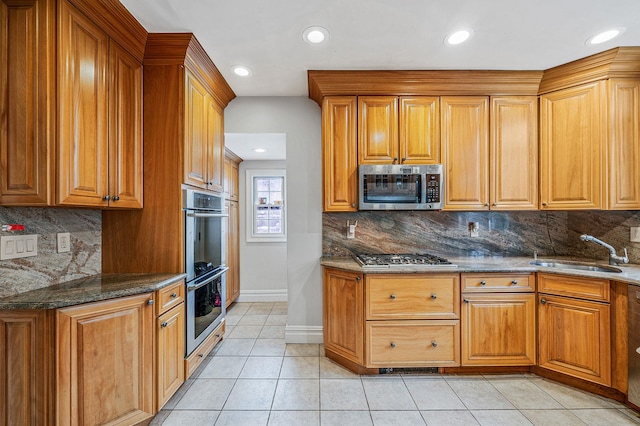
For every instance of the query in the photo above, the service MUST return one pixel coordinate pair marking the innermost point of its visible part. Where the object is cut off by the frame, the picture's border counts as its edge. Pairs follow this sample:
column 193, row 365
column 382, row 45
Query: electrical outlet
column 64, row 242
column 16, row 246
column 474, row 229
column 634, row 234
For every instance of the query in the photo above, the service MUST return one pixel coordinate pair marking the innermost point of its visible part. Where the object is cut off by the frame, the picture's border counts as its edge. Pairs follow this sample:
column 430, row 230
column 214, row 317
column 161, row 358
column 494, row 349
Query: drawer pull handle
column 393, row 345
column 514, row 282
column 174, row 294
column 393, row 296
column 434, row 344
column 543, row 301
column 433, row 296
column 483, row 283
column 164, row 324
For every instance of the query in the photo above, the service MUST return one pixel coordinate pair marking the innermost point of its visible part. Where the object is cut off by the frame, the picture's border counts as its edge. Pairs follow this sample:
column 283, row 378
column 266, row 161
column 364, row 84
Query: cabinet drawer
column 170, row 296
column 412, row 343
column 498, row 283
column 412, row 297
column 583, row 288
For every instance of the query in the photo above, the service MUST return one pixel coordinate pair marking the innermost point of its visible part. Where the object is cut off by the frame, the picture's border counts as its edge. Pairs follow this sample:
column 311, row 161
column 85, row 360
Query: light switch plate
column 17, row 246
column 634, row 234
column 64, row 242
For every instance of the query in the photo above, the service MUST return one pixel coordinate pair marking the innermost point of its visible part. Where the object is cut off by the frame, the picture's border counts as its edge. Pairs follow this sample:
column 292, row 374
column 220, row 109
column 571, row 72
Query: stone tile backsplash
column 555, row 233
column 50, row 267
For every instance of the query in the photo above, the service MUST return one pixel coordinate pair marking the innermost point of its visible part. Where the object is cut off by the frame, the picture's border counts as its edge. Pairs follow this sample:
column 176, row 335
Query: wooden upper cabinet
column 571, row 141
column 105, row 364
column 419, row 137
column 465, row 148
column 378, row 130
column 27, row 122
column 339, row 154
column 82, row 110
column 231, row 175
column 125, row 131
column 215, row 147
column 514, row 153
column 624, row 145
column 100, row 117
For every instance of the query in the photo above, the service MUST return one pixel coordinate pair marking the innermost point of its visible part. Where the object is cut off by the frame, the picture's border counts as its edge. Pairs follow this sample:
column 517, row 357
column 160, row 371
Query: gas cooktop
column 387, row 261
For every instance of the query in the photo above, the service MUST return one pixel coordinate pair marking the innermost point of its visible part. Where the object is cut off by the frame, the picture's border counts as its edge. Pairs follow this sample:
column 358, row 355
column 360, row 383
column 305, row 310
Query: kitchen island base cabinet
column 104, row 366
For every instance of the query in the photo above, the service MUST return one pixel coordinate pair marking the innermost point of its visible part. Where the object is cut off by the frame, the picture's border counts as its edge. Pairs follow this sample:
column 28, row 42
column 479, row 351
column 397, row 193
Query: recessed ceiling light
column 260, row 150
column 458, row 37
column 241, row 70
column 315, row 35
column 605, row 36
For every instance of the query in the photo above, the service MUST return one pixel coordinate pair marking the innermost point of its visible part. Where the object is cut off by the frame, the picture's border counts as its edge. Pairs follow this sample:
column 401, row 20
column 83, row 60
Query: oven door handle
column 191, row 287
column 207, row 214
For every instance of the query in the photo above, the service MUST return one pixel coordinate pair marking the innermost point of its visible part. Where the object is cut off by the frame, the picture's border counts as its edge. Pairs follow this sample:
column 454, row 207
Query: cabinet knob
column 404, row 159
column 150, row 302
column 433, row 296
column 201, row 355
column 174, row 294
column 494, row 204
column 357, row 278
column 393, row 296
column 466, row 300
column 115, row 198
column 544, row 204
column 486, row 204
column 514, row 282
column 543, row 301
column 434, row 344
column 395, row 160
column 106, row 197
column 483, row 283
column 164, row 324
column 393, row 345
column 353, row 205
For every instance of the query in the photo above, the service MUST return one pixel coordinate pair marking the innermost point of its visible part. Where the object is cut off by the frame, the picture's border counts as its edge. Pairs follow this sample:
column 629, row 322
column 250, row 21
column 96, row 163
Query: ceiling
column 386, row 34
column 244, row 144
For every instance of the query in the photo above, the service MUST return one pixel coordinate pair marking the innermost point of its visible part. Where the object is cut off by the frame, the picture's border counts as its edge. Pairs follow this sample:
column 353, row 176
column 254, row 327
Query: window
column 267, row 201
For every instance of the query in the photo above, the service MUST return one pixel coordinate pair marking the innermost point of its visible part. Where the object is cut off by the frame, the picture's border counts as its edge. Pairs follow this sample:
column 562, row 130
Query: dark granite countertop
column 630, row 273
column 90, row 289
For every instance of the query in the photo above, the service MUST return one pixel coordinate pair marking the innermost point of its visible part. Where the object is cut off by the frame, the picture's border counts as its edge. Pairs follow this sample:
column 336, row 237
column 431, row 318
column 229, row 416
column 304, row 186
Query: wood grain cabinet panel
column 498, row 329
column 27, row 122
column 514, row 153
column 419, row 130
column 105, row 362
column 465, row 147
column 624, row 145
column 233, row 252
column 377, row 130
column 571, row 142
column 343, row 306
column 170, row 349
column 231, row 175
column 339, row 154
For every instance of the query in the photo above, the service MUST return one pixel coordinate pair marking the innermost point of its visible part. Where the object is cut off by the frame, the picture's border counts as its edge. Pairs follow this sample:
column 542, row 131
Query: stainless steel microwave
column 400, row 187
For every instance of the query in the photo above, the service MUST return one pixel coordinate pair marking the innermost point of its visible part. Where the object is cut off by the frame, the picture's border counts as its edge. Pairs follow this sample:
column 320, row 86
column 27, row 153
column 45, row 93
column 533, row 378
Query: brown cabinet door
column 574, row 338
column 465, row 148
column 343, row 305
column 339, row 154
column 215, row 147
column 571, row 138
column 498, row 329
column 377, row 130
column 170, row 348
column 514, row 153
column 195, row 132
column 419, row 130
column 27, row 132
column 82, row 110
column 233, row 252
column 624, row 145
column 125, row 139
column 25, row 368
column 105, row 362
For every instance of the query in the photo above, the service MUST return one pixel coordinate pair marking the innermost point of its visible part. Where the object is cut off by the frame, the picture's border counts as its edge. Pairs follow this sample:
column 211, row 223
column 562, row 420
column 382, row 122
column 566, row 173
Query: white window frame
column 251, row 204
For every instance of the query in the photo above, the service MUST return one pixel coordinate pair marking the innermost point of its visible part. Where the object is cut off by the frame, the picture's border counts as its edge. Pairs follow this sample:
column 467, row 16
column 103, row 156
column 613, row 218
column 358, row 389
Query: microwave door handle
column 207, row 215
column 191, row 287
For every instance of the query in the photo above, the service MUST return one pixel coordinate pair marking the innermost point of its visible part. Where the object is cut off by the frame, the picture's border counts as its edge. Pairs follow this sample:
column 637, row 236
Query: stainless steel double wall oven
column 205, row 224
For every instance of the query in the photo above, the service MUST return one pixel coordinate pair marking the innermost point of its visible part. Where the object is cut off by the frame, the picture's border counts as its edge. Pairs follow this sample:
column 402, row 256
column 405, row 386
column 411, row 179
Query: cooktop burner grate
column 383, row 261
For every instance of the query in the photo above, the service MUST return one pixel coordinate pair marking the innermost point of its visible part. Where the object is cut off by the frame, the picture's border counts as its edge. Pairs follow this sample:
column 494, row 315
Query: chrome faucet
column 614, row 259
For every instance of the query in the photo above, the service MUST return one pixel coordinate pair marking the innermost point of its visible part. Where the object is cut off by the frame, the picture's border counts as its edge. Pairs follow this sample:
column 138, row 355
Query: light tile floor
column 253, row 378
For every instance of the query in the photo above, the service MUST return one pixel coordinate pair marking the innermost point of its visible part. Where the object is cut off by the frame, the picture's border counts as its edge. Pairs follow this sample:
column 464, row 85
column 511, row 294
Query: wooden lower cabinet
column 574, row 337
column 498, row 329
column 170, row 347
column 343, row 319
column 233, row 252
column 412, row 343
column 104, row 363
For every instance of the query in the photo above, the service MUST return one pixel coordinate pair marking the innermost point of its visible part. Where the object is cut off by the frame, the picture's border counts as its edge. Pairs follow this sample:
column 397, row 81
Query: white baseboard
column 262, row 296
column 303, row 334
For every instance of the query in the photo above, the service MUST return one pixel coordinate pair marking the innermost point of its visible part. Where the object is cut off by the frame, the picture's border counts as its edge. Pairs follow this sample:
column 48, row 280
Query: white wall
column 263, row 266
column 300, row 119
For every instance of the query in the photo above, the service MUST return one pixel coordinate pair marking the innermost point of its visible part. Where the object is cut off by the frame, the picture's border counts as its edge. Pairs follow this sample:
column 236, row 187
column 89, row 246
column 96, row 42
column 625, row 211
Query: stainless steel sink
column 582, row 266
